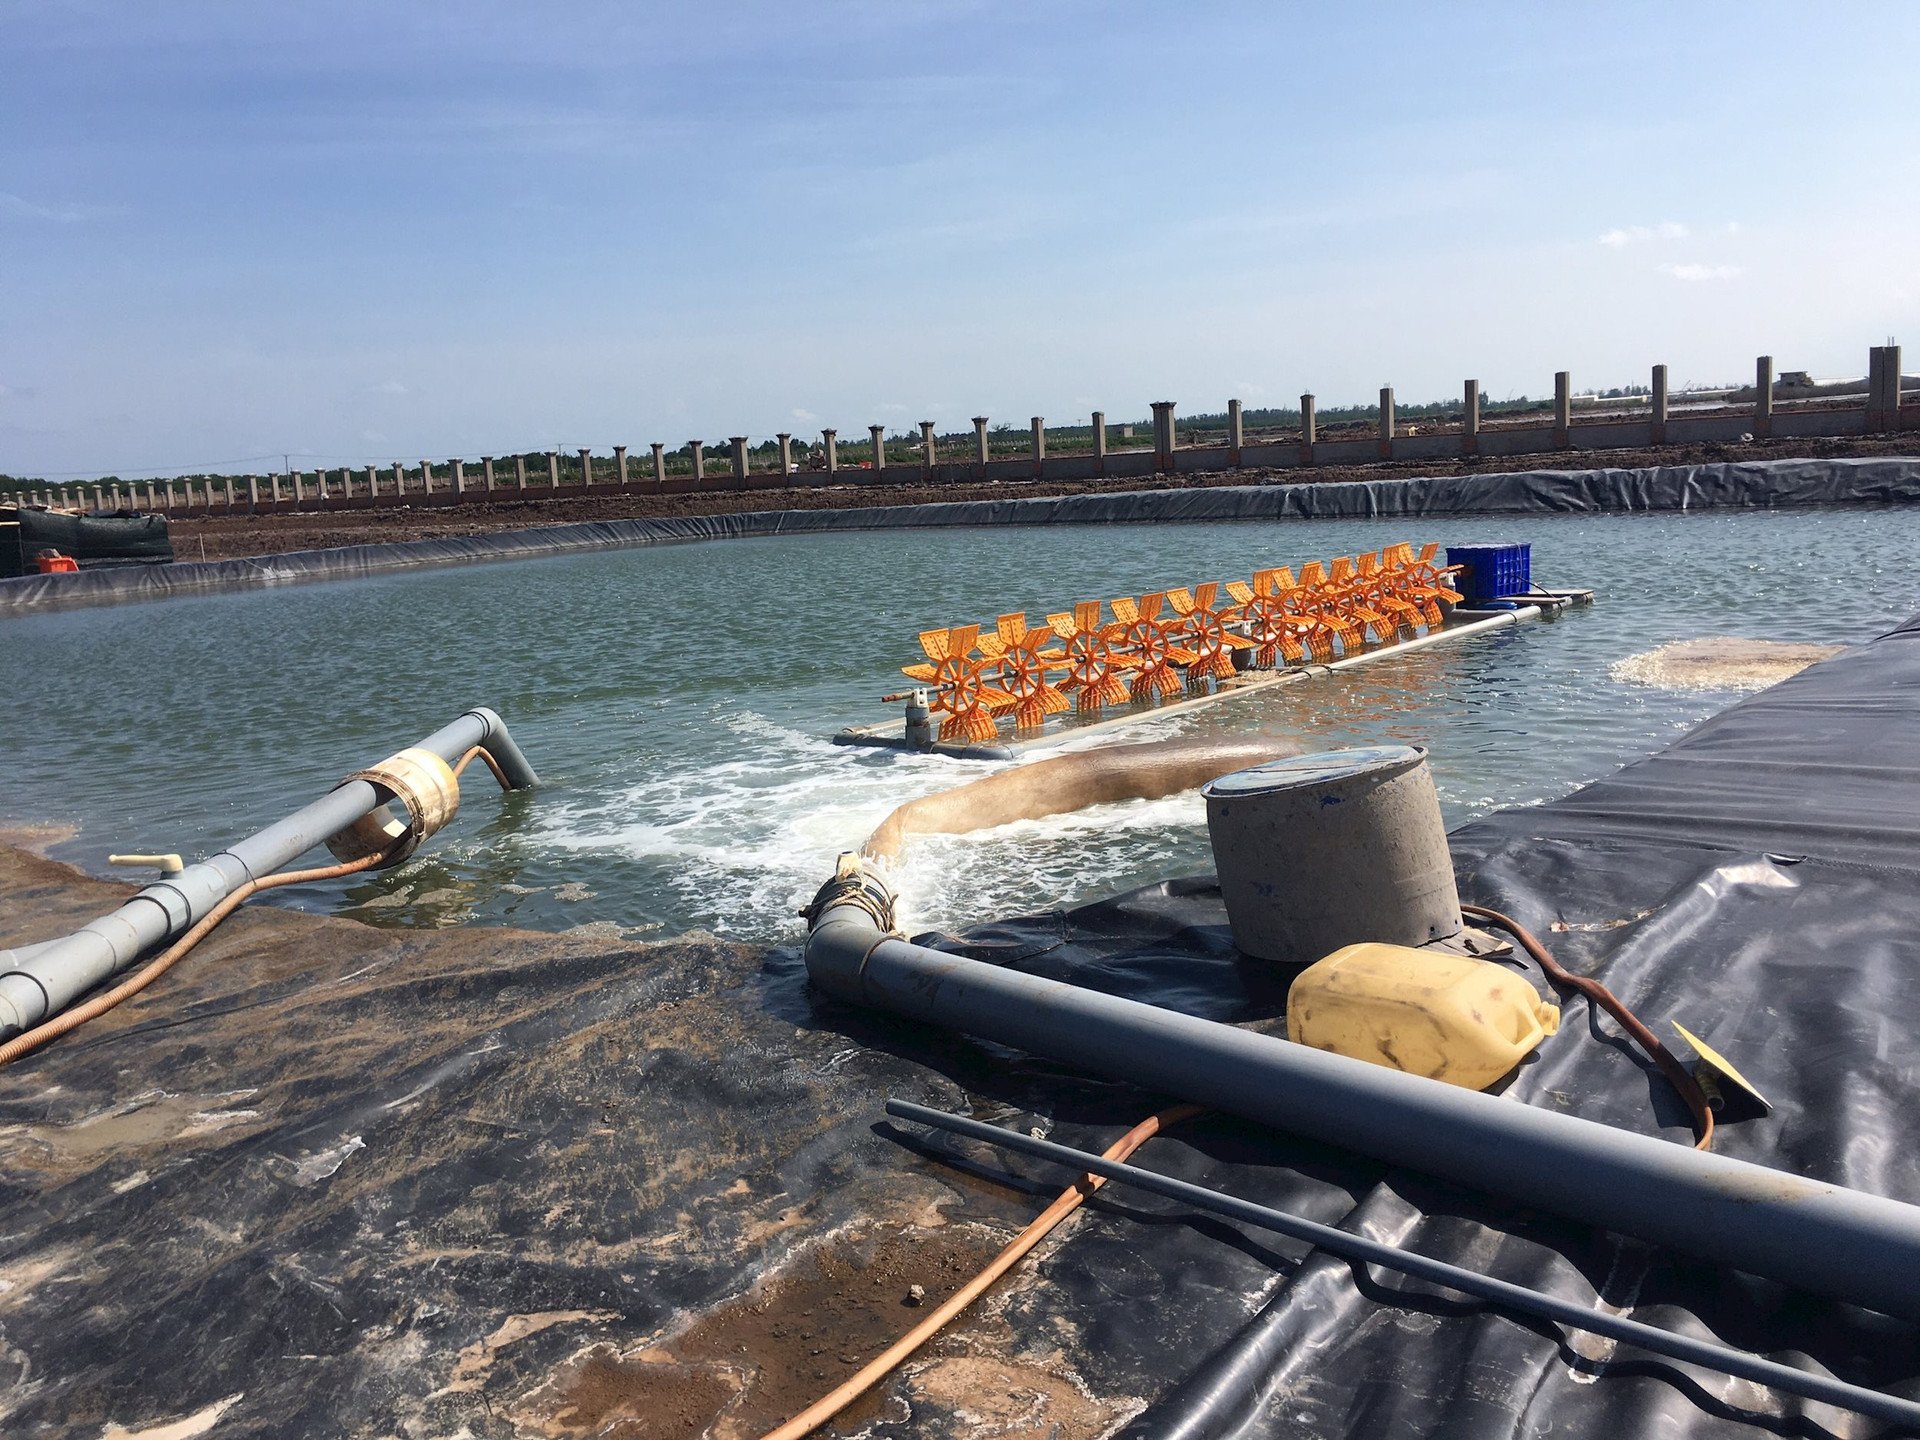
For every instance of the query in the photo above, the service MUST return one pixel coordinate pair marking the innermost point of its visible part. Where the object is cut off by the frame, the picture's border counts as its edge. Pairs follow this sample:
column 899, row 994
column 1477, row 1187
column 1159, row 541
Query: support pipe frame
column 40, row 980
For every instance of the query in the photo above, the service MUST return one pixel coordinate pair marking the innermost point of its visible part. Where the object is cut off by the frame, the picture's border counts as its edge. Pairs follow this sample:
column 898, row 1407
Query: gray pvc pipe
column 1824, row 1238
column 43, row 979
column 1468, row 1282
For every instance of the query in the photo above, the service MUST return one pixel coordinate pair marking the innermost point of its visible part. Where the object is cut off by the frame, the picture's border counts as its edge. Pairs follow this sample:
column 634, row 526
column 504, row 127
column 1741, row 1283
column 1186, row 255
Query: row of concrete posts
column 349, row 486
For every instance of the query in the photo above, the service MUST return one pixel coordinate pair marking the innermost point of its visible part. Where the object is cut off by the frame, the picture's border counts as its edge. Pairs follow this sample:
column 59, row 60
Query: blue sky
column 360, row 232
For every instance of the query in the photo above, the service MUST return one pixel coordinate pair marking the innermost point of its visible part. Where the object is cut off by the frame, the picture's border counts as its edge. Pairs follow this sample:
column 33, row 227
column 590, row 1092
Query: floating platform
column 1463, row 622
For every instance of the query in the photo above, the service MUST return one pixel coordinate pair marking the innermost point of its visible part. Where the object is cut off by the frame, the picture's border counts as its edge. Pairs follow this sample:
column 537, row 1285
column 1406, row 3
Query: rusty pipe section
column 1070, row 782
column 1864, row 1249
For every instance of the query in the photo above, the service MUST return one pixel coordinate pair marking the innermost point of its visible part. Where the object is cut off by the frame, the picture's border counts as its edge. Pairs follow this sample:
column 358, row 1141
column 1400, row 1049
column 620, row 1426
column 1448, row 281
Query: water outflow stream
column 678, row 702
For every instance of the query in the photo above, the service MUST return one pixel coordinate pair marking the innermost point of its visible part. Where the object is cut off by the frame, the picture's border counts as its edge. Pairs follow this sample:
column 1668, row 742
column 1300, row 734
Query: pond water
column 677, row 701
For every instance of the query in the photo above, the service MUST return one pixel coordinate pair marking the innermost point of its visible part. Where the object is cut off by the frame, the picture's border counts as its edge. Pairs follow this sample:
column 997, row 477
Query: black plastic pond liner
column 1762, row 484
column 374, row 1185
column 96, row 541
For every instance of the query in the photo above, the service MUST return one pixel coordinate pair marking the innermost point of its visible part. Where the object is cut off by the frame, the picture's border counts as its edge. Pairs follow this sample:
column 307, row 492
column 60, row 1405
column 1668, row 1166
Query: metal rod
column 1349, row 1246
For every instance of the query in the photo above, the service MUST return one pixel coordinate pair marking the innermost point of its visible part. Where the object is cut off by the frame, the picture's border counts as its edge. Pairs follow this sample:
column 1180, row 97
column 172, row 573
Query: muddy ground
column 230, row 537
column 324, row 1178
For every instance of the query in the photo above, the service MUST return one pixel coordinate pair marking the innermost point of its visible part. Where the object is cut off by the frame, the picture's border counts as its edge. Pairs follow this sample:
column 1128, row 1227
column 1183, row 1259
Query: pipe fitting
column 421, row 782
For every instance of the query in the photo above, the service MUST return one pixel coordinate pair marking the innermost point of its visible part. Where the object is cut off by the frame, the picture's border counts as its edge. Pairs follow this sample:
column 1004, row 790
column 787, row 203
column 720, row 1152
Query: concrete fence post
column 275, row 481
column 1657, row 406
column 1470, row 419
column 1308, row 429
column 519, row 472
column 830, row 439
column 786, row 455
column 1039, row 446
column 739, row 444
column 620, row 466
column 1562, row 409
column 659, row 463
column 227, row 485
column 486, row 473
column 1236, row 434
column 299, row 490
column 929, row 447
column 426, row 477
column 1164, row 437
column 980, row 443
column 1099, row 442
column 1386, row 422
column 1883, row 388
column 553, row 469
column 253, row 493
column 399, row 480
column 1763, row 397
column 698, row 450
column 319, row 487
column 586, row 467
column 373, row 483
column 879, row 437
column 457, row 476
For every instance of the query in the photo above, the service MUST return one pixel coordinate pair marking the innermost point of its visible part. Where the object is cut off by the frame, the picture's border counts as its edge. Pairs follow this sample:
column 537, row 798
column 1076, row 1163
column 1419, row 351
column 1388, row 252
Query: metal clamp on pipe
column 423, row 783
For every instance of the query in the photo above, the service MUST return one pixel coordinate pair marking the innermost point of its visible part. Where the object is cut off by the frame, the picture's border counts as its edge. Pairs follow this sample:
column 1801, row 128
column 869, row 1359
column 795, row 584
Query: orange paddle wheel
column 1152, row 644
column 1094, row 667
column 1205, row 633
column 957, row 683
column 1024, row 668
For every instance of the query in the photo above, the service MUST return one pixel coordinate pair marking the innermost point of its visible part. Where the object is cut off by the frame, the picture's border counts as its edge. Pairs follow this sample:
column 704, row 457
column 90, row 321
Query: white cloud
column 805, row 417
column 388, row 387
column 1639, row 234
column 1701, row 272
column 13, row 207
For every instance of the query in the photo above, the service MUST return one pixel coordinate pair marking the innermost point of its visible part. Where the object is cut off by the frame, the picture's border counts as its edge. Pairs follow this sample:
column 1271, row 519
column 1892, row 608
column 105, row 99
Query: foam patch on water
column 1719, row 662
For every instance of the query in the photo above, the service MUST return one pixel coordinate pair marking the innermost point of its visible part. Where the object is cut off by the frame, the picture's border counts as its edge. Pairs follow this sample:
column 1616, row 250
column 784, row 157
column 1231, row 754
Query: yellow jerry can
column 1447, row 1017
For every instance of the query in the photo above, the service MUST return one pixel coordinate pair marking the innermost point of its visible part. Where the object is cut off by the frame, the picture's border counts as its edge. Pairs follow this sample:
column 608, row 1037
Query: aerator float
column 1184, row 646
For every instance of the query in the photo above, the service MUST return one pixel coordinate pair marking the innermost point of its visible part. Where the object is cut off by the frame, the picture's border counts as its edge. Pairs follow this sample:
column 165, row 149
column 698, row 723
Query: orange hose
column 72, row 1019
column 28, row 1041
column 883, row 1364
column 492, row 764
column 1676, row 1073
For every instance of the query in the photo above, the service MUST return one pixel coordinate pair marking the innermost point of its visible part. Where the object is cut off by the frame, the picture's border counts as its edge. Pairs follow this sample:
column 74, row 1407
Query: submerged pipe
column 1823, row 1238
column 1072, row 782
column 43, row 979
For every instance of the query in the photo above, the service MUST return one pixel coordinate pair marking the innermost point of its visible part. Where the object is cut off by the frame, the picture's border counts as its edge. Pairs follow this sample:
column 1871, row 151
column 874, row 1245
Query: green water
column 677, row 701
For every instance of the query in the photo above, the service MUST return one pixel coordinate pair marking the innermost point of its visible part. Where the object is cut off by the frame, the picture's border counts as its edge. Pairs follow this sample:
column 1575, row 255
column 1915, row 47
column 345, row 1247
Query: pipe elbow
column 852, row 913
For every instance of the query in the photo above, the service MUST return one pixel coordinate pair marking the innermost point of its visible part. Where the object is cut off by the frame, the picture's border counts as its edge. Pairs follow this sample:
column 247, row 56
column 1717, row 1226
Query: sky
column 359, row 232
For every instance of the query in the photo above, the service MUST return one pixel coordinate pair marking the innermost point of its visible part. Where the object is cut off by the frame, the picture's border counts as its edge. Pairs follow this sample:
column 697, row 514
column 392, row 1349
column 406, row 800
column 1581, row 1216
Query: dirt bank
column 231, row 537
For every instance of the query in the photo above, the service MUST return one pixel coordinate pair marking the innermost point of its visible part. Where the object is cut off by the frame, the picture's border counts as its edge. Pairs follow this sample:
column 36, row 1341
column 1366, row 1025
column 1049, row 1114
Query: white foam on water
column 743, row 843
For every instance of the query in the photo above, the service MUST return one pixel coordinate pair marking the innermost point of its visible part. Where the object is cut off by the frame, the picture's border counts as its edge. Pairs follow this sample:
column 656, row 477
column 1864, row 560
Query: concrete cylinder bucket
column 1320, row 851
